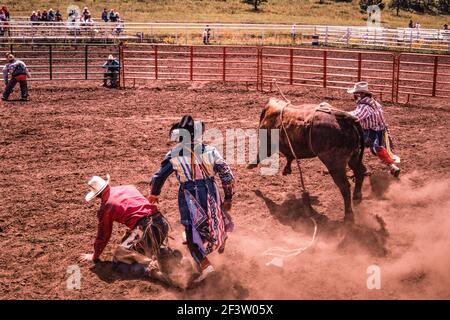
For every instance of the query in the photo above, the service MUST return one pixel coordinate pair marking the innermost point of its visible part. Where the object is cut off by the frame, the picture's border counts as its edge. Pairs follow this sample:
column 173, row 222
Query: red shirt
column 124, row 204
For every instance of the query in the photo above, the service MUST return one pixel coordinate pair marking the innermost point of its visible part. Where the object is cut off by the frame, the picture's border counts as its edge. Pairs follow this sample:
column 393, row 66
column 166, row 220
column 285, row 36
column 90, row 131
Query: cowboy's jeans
column 137, row 247
column 10, row 87
column 112, row 76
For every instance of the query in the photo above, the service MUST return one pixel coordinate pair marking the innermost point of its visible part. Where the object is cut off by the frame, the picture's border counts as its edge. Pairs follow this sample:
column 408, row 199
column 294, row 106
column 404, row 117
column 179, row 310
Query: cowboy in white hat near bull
column 369, row 112
column 149, row 228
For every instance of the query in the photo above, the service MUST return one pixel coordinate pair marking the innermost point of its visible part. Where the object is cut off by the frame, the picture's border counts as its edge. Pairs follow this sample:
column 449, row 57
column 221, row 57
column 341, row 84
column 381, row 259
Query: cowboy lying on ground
column 111, row 74
column 369, row 113
column 149, row 228
column 203, row 214
column 19, row 74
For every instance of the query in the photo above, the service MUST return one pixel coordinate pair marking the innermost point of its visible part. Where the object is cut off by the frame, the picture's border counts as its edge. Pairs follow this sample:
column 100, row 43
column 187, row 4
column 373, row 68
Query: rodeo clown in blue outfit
column 203, row 214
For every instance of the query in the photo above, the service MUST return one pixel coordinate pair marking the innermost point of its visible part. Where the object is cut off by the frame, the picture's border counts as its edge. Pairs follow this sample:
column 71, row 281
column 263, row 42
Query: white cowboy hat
column 97, row 185
column 359, row 87
column 110, row 57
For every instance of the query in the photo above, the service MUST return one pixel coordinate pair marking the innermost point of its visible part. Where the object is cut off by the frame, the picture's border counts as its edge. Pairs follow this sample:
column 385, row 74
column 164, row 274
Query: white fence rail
column 251, row 34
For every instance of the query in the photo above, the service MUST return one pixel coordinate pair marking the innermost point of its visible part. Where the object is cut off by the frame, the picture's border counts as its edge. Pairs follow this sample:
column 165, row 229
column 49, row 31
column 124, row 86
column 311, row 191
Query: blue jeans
column 374, row 139
column 10, row 87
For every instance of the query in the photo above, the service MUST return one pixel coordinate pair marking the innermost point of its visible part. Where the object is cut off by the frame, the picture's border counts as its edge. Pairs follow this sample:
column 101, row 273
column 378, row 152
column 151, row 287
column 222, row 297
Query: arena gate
column 393, row 77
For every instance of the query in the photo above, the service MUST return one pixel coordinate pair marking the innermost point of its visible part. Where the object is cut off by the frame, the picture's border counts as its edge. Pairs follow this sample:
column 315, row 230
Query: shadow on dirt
column 223, row 284
column 380, row 182
column 360, row 236
column 110, row 272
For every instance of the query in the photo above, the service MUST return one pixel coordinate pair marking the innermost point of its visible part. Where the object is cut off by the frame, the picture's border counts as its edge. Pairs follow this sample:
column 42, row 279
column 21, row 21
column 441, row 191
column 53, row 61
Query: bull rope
column 279, row 253
column 297, row 161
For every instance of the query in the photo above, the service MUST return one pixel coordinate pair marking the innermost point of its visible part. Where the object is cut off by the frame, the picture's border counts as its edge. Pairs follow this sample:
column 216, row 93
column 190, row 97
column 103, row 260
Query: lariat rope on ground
column 277, row 252
column 284, row 253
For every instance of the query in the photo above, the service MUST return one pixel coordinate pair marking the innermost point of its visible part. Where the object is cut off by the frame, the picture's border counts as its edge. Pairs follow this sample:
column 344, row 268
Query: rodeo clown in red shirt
column 369, row 113
column 149, row 228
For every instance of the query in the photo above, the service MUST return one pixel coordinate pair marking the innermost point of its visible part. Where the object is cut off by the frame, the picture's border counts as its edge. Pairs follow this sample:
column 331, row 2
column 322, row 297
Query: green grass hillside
column 233, row 11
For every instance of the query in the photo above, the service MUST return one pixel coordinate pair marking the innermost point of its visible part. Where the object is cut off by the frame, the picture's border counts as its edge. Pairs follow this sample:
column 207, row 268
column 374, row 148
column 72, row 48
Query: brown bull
column 332, row 135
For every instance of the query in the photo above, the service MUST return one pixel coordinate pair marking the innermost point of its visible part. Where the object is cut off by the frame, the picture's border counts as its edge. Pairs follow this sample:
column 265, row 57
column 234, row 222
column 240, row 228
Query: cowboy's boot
column 384, row 156
column 395, row 171
column 206, row 269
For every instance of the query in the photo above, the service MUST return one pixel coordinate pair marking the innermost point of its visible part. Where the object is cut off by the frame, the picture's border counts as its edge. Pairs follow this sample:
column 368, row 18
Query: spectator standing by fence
column 206, row 34
column 105, row 15
column 3, row 22
column 44, row 16
column 6, row 12
column 293, row 33
column 112, row 16
column 72, row 16
column 19, row 74
column 86, row 13
column 445, row 26
column 51, row 15
column 34, row 18
column 411, row 24
column 58, row 16
column 39, row 17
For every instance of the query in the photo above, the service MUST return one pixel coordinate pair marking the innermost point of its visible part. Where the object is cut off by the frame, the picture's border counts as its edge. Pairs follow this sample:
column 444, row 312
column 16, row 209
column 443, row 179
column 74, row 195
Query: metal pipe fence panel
column 190, row 63
column 62, row 62
column 336, row 69
column 406, row 39
column 393, row 77
column 423, row 75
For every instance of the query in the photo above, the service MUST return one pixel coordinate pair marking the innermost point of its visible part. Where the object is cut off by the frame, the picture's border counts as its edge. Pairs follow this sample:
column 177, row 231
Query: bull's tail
column 258, row 159
column 261, row 118
column 360, row 131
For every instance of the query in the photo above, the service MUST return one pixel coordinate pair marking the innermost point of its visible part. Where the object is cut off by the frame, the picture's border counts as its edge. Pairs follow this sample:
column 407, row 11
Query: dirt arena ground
column 52, row 145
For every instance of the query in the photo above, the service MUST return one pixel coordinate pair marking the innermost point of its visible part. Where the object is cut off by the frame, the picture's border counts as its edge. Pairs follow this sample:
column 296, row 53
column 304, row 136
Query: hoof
column 357, row 197
column 367, row 173
column 349, row 219
column 287, row 172
column 252, row 166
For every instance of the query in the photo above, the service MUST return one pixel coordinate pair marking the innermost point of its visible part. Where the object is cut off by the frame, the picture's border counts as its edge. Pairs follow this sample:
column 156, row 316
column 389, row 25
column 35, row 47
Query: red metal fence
column 190, row 63
column 422, row 75
column 336, row 69
column 394, row 77
column 62, row 62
